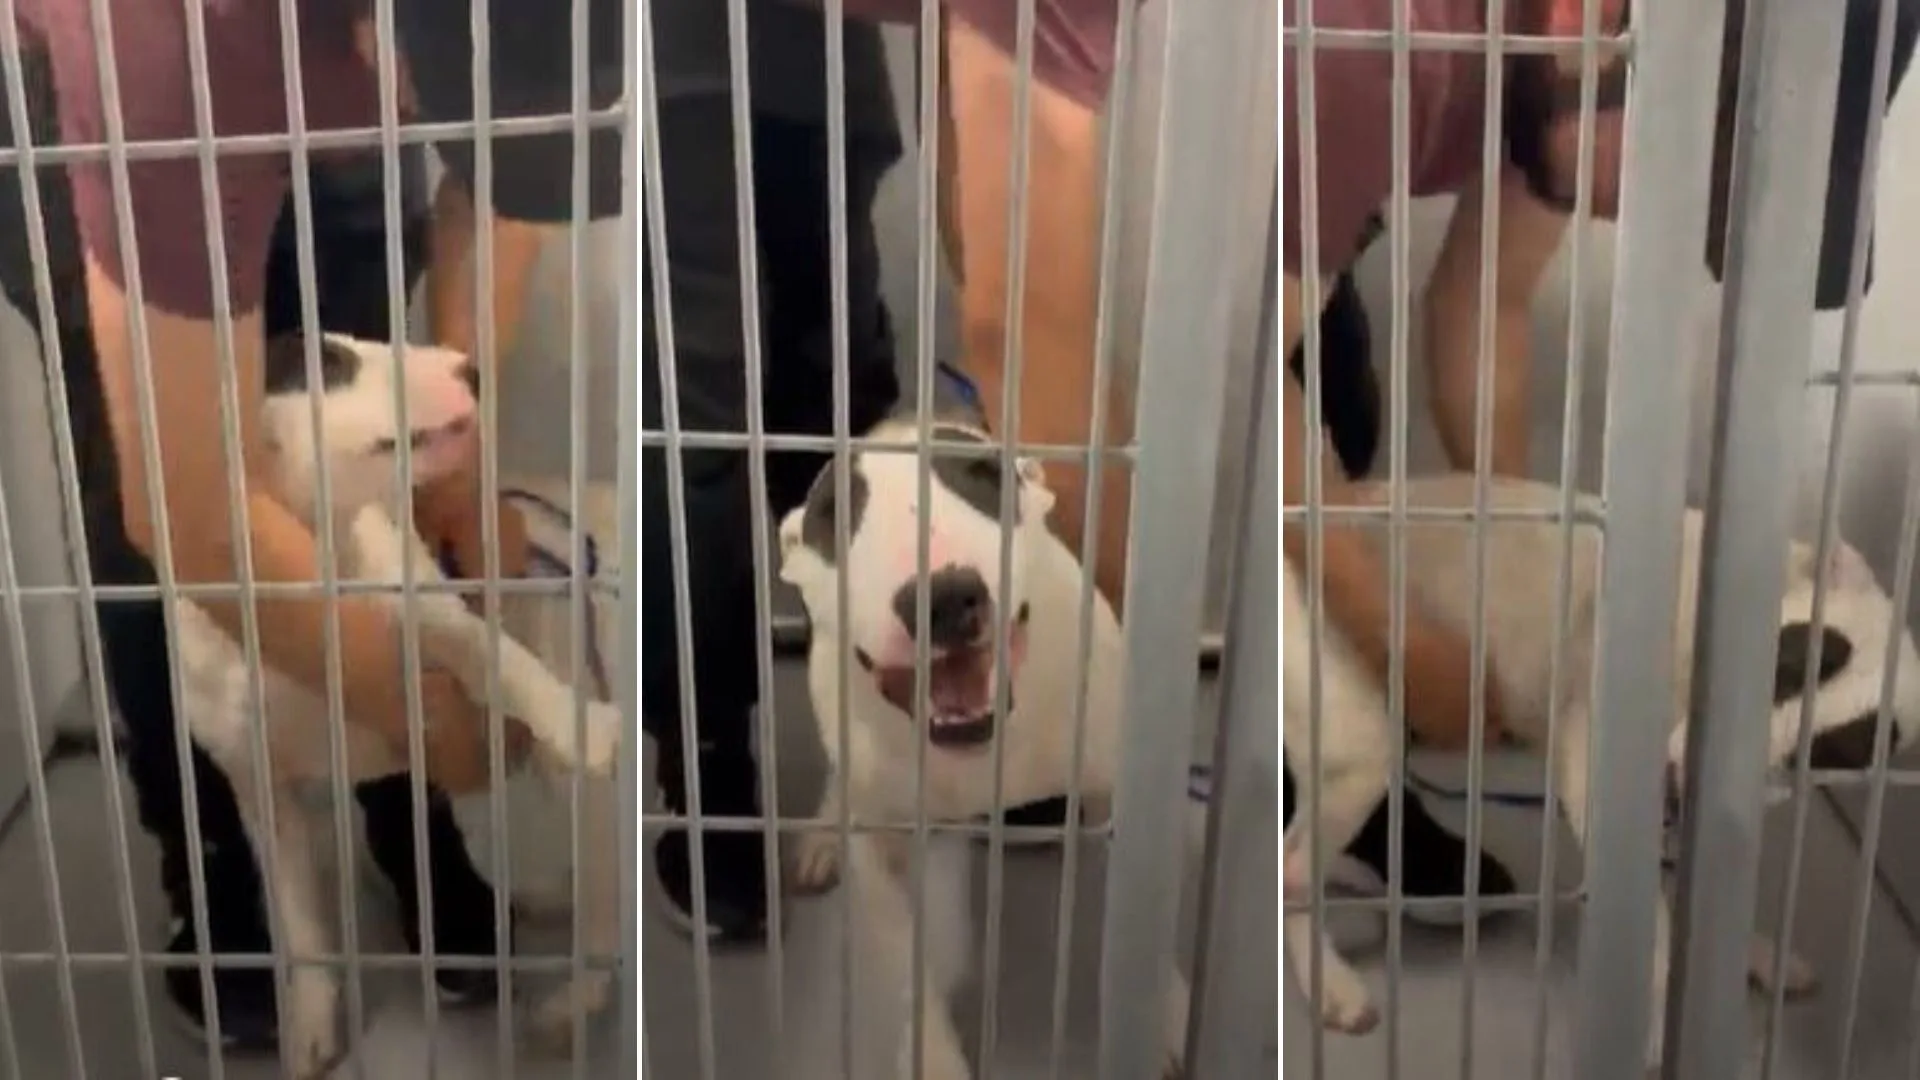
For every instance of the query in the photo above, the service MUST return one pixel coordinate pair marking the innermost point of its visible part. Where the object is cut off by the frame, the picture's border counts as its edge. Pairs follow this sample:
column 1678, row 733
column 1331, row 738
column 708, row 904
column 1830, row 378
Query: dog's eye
column 1026, row 610
column 385, row 446
column 865, row 660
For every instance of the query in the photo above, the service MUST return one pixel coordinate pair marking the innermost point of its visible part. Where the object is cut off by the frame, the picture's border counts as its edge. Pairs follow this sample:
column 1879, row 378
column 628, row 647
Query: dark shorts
column 532, row 75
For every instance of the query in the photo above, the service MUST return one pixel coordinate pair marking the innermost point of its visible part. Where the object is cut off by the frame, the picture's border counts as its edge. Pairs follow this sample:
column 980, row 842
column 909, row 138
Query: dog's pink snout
column 959, row 607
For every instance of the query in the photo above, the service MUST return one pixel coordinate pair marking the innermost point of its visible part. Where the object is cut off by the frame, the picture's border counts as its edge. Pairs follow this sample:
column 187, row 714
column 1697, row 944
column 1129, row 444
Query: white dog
column 360, row 434
column 1519, row 634
column 965, row 604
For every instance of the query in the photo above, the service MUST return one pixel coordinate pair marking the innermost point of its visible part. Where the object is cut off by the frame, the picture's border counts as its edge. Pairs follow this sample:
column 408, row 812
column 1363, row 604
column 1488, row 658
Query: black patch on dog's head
column 817, row 521
column 285, row 364
column 1790, row 669
column 975, row 479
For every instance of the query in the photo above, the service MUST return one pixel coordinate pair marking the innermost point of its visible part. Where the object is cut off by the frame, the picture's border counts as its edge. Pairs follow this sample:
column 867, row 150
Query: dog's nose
column 957, row 607
column 1850, row 746
column 469, row 373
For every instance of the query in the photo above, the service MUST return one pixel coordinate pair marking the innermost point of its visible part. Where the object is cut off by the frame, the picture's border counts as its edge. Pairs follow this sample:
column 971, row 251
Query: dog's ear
column 789, row 540
column 1033, row 484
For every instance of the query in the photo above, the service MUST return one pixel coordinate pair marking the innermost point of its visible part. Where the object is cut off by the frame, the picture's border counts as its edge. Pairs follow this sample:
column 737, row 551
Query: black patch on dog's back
column 976, row 480
column 817, row 520
column 1790, row 669
column 285, row 364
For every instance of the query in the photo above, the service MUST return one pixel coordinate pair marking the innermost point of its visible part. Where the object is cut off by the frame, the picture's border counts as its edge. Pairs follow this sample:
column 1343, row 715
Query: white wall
column 31, row 484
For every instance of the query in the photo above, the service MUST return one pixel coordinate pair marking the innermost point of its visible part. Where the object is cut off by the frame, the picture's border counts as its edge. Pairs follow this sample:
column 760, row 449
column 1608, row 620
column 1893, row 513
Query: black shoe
column 1433, row 861
column 463, row 928
column 734, row 862
column 248, row 1019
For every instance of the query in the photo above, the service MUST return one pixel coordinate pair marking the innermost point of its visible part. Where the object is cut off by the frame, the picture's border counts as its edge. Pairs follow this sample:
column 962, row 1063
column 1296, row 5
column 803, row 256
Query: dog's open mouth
column 960, row 707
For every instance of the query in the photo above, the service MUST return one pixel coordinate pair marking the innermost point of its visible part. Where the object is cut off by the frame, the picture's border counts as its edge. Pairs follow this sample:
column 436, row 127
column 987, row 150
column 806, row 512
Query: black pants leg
column 709, row 354
column 796, row 322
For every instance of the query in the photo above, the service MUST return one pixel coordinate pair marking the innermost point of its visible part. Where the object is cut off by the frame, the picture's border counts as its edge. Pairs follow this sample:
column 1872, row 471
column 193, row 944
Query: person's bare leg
column 444, row 512
column 1530, row 233
column 1057, row 323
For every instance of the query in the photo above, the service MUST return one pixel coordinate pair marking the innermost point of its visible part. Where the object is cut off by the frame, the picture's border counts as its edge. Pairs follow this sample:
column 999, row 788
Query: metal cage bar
column 486, row 357
column 386, row 66
column 629, row 1047
column 306, row 260
column 749, row 253
column 1669, row 135
column 113, row 114
column 1120, row 110
column 932, row 32
column 1570, row 429
column 1312, row 300
column 578, row 603
column 662, row 311
column 1789, row 74
column 1020, row 170
column 1184, row 341
column 1848, row 378
column 1236, row 988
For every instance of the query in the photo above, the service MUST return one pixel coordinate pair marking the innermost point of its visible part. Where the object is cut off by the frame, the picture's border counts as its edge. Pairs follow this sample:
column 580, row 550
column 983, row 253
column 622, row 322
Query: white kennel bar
column 206, row 148
column 1214, row 47
column 1789, row 72
column 1236, row 992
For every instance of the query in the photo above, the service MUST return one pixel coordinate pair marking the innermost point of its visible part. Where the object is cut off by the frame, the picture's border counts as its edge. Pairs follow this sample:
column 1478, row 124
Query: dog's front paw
column 1796, row 977
column 550, row 1028
column 1345, row 1005
column 313, row 1030
column 602, row 737
column 598, row 742
column 814, row 865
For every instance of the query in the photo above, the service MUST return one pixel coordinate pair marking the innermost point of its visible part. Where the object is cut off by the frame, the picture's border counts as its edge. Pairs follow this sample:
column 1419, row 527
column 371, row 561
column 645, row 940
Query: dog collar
column 961, row 386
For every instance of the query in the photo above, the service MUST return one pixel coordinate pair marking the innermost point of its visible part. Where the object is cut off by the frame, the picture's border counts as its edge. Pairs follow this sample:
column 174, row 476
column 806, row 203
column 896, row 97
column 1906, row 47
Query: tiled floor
column 1508, row 996
column 394, row 1041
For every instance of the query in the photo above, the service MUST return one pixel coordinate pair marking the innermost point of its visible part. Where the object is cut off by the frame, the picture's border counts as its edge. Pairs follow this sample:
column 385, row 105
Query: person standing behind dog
column 1536, row 192
column 531, row 75
column 789, row 109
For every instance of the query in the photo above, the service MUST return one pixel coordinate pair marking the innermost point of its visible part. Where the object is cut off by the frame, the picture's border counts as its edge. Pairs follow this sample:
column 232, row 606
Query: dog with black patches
column 966, row 610
column 359, row 433
column 1844, row 689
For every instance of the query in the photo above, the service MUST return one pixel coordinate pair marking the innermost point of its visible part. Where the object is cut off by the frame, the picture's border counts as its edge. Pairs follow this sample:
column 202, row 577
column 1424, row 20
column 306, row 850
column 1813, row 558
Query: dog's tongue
column 960, row 684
